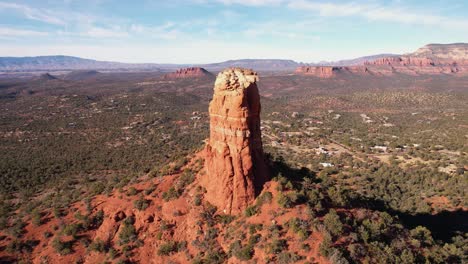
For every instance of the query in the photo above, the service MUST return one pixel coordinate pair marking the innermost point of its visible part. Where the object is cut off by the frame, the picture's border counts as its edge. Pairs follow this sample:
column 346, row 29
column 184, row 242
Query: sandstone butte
column 319, row 71
column 235, row 164
column 409, row 65
column 192, row 72
column 331, row 71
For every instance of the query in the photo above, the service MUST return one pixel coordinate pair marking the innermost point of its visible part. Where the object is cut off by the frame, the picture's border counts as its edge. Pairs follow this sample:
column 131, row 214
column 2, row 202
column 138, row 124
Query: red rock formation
column 193, row 72
column 412, row 65
column 403, row 61
column 331, row 71
column 235, row 166
column 318, row 71
column 385, row 61
column 358, row 69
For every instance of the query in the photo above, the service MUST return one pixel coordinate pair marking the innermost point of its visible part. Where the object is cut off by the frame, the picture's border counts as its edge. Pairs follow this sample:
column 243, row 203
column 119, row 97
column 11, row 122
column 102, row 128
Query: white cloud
column 250, row 2
column 281, row 30
column 196, row 51
column 370, row 10
column 376, row 12
column 167, row 31
column 99, row 32
column 42, row 15
column 14, row 32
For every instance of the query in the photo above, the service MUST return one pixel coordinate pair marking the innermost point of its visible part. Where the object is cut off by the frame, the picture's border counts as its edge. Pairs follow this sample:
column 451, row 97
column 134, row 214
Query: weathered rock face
column 449, row 52
column 318, row 71
column 331, row 71
column 235, row 165
column 403, row 61
column 408, row 65
column 192, row 72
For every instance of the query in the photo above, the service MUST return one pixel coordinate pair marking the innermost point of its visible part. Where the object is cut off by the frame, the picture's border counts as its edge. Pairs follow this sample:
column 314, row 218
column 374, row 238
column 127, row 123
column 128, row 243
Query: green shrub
column 251, row 210
column 277, row 246
column 36, row 217
column 284, row 201
column 128, row 232
column 265, row 197
column 242, row 253
column 171, row 194
column 225, row 219
column 423, row 235
column 333, row 223
column 113, row 253
column 132, row 191
column 63, row 248
column 72, row 229
column 326, row 246
column 168, row 248
column 197, row 200
column 287, row 257
column 187, row 177
column 98, row 245
column 141, row 204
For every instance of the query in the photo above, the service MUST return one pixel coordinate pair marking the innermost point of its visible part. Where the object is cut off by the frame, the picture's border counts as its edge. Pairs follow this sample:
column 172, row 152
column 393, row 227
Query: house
column 326, row 164
column 380, row 148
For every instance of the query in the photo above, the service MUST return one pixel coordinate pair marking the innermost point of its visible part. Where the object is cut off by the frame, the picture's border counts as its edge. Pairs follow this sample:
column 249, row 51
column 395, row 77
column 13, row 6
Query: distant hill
column 257, row 64
column 50, row 63
column 59, row 63
column 81, row 75
column 455, row 51
column 191, row 72
column 356, row 61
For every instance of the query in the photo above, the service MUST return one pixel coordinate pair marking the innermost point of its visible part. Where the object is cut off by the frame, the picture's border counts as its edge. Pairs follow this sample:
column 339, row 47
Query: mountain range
column 456, row 51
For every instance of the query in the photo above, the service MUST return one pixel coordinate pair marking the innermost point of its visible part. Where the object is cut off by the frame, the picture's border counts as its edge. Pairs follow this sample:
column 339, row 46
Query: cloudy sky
column 202, row 31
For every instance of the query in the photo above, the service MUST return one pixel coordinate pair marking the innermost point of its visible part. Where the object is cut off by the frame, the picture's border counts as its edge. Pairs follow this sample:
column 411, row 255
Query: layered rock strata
column 318, row 71
column 192, row 72
column 235, row 165
column 389, row 66
column 331, row 71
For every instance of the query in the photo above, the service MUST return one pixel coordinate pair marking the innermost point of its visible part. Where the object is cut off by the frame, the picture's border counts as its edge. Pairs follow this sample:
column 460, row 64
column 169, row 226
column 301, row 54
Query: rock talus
column 235, row 165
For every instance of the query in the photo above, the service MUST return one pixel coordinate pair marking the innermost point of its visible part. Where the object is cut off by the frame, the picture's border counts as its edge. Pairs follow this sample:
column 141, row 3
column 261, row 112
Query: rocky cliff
column 402, row 61
column 432, row 59
column 318, row 71
column 192, row 72
column 235, row 166
column 454, row 52
column 331, row 71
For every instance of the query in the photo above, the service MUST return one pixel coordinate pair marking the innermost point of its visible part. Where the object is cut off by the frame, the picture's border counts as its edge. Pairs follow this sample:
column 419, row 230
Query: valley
column 81, row 152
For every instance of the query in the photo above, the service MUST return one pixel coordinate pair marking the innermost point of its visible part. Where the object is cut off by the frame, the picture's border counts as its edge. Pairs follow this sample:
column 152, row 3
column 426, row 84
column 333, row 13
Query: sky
column 206, row 31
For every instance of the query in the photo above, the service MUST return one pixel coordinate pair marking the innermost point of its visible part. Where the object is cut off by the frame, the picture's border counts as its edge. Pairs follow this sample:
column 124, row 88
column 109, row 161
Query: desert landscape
column 266, row 160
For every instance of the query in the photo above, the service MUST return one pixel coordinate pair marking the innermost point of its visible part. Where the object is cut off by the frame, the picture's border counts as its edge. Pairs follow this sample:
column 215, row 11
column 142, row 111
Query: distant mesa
column 60, row 62
column 331, row 71
column 403, row 61
column 82, row 75
column 450, row 52
column 416, row 65
column 257, row 64
column 318, row 71
column 192, row 72
column 235, row 165
column 432, row 59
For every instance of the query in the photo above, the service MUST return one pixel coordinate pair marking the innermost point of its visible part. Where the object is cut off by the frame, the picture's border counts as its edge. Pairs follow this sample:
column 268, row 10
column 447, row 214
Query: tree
column 333, row 223
column 423, row 235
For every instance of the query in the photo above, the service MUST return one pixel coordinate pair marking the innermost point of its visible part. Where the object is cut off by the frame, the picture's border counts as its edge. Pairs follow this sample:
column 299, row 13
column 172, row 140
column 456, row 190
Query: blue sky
column 202, row 31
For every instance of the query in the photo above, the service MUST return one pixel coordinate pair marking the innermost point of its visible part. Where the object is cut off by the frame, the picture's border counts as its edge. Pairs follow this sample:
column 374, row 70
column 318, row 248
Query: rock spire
column 235, row 165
